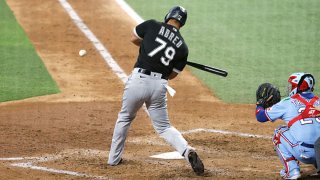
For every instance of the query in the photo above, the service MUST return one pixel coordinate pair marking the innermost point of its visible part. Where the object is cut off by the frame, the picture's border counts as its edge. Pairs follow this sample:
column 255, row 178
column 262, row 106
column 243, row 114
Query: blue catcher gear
column 300, row 82
column 178, row 13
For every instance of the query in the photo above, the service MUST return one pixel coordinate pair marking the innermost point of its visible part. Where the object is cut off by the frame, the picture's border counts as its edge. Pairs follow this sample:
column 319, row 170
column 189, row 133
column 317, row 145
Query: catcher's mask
column 178, row 13
column 300, row 82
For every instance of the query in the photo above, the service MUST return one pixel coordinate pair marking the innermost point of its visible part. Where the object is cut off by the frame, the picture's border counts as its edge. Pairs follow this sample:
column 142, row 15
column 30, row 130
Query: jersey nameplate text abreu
column 162, row 50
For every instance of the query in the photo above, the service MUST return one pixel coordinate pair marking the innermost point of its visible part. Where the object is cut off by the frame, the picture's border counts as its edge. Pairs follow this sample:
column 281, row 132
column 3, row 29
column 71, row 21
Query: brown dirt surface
column 73, row 129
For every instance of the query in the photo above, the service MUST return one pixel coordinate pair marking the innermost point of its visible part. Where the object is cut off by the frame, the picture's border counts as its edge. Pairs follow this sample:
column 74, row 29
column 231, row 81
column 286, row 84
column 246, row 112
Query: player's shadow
column 313, row 176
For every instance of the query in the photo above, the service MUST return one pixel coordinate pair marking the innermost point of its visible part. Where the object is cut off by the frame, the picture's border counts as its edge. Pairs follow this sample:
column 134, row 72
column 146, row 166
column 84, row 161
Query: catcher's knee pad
column 277, row 133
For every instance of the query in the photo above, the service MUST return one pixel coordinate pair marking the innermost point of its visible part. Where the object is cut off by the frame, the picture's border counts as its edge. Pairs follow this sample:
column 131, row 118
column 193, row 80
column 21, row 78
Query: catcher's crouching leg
column 291, row 168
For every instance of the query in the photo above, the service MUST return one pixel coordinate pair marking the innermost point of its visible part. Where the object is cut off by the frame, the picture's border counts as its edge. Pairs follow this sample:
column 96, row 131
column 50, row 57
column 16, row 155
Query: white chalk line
column 95, row 41
column 132, row 13
column 57, row 171
column 52, row 157
column 97, row 44
column 17, row 158
column 92, row 153
column 247, row 135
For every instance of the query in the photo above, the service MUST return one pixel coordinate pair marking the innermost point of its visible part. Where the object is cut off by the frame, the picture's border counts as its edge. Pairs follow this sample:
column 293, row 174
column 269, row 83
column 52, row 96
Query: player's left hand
column 267, row 95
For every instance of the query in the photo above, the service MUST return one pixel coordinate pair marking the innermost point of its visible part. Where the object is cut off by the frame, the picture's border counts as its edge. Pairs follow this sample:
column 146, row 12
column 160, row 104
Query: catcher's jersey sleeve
column 276, row 111
column 287, row 109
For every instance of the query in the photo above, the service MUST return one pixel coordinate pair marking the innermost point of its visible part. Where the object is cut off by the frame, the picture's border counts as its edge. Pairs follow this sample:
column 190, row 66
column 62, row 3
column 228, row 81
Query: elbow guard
column 260, row 114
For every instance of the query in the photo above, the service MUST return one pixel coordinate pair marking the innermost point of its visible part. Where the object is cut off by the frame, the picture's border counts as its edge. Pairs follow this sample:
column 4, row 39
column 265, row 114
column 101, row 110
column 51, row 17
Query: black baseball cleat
column 196, row 163
column 121, row 161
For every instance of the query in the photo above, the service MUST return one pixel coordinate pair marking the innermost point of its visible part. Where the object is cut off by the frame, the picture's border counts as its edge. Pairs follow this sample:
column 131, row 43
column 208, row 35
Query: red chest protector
column 309, row 112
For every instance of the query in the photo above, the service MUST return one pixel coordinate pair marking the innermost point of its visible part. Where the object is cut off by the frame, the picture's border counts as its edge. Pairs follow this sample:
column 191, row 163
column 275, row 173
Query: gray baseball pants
column 139, row 89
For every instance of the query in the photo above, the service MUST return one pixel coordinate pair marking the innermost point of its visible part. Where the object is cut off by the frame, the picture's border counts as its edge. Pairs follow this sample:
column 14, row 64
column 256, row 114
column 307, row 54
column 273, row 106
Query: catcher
column 295, row 141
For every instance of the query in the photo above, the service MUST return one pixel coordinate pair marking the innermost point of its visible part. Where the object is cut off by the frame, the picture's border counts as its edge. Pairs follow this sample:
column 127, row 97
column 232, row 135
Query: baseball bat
column 213, row 70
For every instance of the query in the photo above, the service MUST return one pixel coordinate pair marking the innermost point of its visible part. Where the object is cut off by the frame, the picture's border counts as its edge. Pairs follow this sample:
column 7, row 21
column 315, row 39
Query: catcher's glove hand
column 267, row 95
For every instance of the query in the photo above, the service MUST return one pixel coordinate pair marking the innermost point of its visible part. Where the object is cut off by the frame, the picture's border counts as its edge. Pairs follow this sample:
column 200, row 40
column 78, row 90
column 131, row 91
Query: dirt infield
column 71, row 132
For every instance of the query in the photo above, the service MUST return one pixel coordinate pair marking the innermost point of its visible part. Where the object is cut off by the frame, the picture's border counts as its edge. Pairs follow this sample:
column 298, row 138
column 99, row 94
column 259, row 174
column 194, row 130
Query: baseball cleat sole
column 196, row 163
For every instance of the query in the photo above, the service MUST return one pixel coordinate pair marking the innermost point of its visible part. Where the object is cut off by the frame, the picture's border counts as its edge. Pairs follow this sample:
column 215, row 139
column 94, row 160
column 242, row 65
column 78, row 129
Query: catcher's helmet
column 178, row 13
column 300, row 82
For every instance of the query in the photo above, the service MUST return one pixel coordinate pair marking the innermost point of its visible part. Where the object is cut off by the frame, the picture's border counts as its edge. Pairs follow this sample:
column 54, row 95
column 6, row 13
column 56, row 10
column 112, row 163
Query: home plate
column 168, row 155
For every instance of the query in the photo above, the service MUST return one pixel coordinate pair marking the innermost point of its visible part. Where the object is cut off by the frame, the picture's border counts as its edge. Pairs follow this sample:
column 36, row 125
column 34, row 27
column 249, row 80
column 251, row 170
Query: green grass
column 22, row 73
column 256, row 41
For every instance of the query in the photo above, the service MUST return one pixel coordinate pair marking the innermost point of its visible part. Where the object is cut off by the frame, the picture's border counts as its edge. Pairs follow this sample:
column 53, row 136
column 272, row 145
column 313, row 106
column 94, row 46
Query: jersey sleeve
column 181, row 63
column 261, row 114
column 141, row 29
column 276, row 111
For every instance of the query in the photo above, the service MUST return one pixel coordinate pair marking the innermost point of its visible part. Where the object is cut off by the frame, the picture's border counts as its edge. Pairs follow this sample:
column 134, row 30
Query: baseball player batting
column 295, row 141
column 162, row 56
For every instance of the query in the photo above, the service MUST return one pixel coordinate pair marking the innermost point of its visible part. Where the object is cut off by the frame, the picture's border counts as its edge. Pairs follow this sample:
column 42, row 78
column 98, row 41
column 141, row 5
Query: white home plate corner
column 168, row 155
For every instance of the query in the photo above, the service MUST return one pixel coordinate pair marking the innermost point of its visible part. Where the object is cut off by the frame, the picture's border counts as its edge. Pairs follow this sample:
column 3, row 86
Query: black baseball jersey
column 162, row 49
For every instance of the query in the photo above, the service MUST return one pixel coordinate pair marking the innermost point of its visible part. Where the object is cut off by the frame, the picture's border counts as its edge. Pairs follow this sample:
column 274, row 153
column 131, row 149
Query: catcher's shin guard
column 282, row 145
column 293, row 174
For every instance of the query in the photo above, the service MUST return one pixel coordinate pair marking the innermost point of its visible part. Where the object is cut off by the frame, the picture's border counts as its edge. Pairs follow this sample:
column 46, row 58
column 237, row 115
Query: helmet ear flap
column 166, row 18
column 301, row 81
column 178, row 13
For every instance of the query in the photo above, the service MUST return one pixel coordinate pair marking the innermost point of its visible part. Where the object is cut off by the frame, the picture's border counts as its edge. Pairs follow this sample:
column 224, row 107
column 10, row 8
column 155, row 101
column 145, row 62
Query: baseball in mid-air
column 82, row 52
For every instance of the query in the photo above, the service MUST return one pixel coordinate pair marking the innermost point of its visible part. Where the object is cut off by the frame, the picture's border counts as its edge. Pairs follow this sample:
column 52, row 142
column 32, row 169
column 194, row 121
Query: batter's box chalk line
column 30, row 162
column 247, row 135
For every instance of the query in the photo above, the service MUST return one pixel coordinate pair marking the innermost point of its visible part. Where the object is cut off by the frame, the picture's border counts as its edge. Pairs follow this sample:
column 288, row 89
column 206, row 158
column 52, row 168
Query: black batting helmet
column 178, row 13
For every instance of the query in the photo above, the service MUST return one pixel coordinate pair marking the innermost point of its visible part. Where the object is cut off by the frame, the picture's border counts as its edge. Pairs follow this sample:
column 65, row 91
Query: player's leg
column 157, row 108
column 283, row 145
column 170, row 134
column 317, row 154
column 131, row 103
column 173, row 137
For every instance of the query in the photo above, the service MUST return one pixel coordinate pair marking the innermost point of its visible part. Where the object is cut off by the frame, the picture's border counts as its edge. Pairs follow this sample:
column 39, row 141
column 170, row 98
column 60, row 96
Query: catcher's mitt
column 267, row 95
